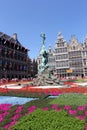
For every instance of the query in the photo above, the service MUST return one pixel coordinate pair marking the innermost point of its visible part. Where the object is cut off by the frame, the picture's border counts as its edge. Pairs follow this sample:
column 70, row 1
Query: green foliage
column 49, row 120
column 39, row 103
column 1, row 128
column 85, row 119
column 13, row 108
column 80, row 80
column 77, row 80
column 80, row 112
column 72, row 99
column 6, row 121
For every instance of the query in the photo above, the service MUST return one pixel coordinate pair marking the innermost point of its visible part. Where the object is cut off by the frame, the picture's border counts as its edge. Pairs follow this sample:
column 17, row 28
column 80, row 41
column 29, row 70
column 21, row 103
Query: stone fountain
column 45, row 76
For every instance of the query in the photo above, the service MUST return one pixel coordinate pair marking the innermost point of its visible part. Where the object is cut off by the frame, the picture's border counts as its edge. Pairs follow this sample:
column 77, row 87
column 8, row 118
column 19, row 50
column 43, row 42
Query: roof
column 9, row 38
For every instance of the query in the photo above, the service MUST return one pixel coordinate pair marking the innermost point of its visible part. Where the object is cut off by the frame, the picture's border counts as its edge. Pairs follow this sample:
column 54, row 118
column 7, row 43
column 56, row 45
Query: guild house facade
column 68, row 59
column 13, row 57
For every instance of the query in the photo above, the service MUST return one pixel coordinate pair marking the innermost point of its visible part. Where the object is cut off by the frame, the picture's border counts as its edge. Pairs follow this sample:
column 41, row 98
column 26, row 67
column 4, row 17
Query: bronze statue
column 44, row 37
column 44, row 55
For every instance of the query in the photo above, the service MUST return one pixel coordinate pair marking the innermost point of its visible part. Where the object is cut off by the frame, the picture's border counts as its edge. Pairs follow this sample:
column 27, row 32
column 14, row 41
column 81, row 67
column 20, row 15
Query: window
column 0, row 62
column 0, row 49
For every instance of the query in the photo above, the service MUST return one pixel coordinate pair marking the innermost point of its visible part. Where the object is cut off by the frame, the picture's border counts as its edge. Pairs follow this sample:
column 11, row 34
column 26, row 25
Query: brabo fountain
column 45, row 76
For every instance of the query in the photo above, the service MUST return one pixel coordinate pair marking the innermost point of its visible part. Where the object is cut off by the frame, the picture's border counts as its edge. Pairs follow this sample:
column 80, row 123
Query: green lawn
column 70, row 99
column 80, row 80
column 49, row 120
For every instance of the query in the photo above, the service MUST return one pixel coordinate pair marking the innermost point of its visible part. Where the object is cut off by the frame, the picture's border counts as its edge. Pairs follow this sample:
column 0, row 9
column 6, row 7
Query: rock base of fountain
column 47, row 78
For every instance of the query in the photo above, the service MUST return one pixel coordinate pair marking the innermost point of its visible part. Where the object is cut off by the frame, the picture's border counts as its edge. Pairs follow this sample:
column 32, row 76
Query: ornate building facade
column 61, row 56
column 69, row 59
column 13, row 57
column 75, row 52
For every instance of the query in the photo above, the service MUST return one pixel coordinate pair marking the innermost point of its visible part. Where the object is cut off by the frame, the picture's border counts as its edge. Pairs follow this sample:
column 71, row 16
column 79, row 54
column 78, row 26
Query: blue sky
column 28, row 18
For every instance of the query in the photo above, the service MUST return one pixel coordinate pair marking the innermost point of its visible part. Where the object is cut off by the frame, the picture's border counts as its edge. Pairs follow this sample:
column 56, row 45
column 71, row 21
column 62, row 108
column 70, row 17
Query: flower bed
column 10, row 115
column 51, row 91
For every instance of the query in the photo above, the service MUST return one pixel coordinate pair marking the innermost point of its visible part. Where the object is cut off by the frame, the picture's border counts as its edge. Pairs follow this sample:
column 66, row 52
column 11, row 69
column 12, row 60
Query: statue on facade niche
column 44, row 55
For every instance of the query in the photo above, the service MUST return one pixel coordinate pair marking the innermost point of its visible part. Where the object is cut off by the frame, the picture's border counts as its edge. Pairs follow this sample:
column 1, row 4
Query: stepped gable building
column 13, row 57
column 75, row 50
column 68, row 59
column 61, row 56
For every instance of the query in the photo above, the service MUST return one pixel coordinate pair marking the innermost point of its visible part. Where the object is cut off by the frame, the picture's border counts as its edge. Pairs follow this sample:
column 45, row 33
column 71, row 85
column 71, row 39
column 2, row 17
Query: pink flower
column 7, row 126
column 19, row 109
column 1, row 119
column 16, row 116
column 55, row 93
column 80, row 117
column 85, row 113
column 1, row 115
column 5, row 113
column 45, row 108
column 67, row 107
column 86, row 104
column 10, row 124
column 81, row 108
column 31, row 109
column 54, row 106
column 86, row 127
column 72, row 112
column 58, row 109
column 5, row 107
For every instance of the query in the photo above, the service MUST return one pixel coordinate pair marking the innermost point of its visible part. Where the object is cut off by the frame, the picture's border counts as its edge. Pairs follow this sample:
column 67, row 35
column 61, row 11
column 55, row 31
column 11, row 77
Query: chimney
column 14, row 36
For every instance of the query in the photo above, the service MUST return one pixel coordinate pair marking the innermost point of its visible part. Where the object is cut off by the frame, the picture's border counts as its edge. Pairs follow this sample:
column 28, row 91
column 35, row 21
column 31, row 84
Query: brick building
column 13, row 57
